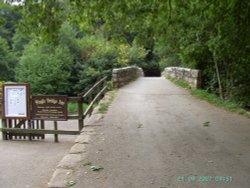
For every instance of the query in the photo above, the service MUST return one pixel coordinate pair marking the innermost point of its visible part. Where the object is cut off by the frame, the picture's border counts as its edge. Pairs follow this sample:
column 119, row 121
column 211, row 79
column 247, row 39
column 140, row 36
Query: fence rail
column 94, row 94
column 35, row 129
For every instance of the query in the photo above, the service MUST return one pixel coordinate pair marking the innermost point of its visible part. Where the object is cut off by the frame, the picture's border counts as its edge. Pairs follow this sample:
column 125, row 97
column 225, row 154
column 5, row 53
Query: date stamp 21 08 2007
column 204, row 179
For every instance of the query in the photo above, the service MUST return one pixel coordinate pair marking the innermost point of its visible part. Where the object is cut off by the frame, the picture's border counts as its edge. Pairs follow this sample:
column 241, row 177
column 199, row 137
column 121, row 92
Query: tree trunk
column 218, row 77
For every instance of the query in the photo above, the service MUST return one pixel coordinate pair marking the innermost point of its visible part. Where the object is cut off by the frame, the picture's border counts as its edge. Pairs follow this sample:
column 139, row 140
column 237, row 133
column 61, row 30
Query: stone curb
column 71, row 162
column 74, row 160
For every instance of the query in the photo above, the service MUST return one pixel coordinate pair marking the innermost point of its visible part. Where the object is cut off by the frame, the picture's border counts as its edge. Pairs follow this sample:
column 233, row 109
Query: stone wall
column 122, row 76
column 190, row 76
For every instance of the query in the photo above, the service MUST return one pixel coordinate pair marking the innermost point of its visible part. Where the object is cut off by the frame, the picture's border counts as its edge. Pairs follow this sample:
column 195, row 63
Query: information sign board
column 15, row 101
column 52, row 108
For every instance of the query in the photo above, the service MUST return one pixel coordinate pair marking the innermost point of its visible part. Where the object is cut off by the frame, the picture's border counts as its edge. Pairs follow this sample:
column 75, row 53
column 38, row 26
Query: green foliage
column 131, row 54
column 9, row 18
column 47, row 70
column 7, row 61
column 179, row 82
column 103, row 106
column 98, row 58
column 67, row 37
column 101, row 56
column 201, row 33
column 19, row 40
column 73, row 107
column 171, row 61
column 136, row 55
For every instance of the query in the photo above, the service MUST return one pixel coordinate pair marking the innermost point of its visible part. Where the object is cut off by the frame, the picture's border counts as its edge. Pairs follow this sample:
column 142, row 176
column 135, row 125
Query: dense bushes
column 46, row 69
column 73, row 64
column 100, row 56
column 7, row 61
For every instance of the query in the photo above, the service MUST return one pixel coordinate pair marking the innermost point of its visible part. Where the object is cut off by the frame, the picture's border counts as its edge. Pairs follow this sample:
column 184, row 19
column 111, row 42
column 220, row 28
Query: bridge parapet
column 191, row 76
column 122, row 76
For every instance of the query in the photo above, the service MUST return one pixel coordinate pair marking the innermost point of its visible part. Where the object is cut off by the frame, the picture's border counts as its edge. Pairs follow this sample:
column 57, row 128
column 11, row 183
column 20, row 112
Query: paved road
column 154, row 136
column 30, row 164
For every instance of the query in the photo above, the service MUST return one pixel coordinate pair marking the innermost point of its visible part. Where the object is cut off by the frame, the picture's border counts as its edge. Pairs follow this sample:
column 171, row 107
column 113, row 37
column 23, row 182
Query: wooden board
column 50, row 108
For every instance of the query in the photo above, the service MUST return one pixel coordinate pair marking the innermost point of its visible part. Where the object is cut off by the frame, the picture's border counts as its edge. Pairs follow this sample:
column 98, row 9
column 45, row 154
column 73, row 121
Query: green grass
column 181, row 83
column 212, row 98
column 105, row 105
column 73, row 107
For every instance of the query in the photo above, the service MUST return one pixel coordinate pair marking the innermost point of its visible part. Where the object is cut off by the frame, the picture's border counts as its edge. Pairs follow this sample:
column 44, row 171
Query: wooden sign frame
column 16, row 101
column 50, row 107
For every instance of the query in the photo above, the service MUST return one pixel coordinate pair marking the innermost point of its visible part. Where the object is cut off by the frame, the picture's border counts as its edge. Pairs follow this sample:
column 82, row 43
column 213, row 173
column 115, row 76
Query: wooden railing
column 94, row 94
column 36, row 128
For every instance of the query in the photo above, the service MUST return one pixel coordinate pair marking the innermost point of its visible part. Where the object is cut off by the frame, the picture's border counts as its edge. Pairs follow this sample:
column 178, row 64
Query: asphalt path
column 156, row 135
column 30, row 164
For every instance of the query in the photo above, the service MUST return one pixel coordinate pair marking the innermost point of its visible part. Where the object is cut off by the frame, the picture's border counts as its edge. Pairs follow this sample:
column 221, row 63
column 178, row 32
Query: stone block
column 78, row 148
column 59, row 178
column 195, row 73
column 71, row 161
column 81, row 139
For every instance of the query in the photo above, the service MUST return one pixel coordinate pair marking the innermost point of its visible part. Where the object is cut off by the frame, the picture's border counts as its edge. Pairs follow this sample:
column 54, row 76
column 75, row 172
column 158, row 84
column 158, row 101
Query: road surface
column 30, row 164
column 156, row 135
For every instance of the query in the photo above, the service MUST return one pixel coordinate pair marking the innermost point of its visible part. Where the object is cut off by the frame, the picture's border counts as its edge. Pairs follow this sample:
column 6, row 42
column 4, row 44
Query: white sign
column 15, row 101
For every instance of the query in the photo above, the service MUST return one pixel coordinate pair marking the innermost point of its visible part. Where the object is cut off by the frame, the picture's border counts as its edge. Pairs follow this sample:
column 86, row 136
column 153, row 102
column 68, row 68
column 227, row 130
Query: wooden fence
column 36, row 129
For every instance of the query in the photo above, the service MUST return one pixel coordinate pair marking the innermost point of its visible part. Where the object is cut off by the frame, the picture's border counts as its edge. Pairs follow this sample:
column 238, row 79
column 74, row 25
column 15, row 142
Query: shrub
column 47, row 70
column 99, row 57
column 136, row 55
column 7, row 61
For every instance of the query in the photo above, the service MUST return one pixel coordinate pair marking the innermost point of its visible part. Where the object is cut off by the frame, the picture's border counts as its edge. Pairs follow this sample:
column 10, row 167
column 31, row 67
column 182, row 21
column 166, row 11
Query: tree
column 19, row 41
column 9, row 17
column 7, row 62
column 46, row 69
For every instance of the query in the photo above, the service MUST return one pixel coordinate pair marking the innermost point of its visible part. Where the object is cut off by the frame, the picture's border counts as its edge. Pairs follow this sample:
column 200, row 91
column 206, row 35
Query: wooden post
column 29, row 127
column 98, row 89
column 37, row 127
column 104, row 84
column 56, row 135
column 15, row 123
column 90, row 100
column 80, row 114
column 24, row 126
column 4, row 134
column 10, row 126
column 42, row 127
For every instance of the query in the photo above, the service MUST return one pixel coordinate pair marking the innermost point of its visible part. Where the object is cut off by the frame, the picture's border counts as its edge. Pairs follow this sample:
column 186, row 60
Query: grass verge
column 73, row 107
column 212, row 98
column 103, row 108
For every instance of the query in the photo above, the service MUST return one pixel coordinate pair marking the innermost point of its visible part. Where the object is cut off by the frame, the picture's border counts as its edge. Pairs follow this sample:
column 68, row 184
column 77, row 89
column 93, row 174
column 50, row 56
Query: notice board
column 53, row 108
column 15, row 101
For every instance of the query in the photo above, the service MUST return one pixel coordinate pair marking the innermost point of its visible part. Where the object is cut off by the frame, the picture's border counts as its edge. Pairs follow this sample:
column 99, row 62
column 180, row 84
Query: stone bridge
column 156, row 134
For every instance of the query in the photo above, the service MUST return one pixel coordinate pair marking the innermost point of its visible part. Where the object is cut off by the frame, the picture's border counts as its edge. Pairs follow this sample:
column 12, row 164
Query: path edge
column 74, row 159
